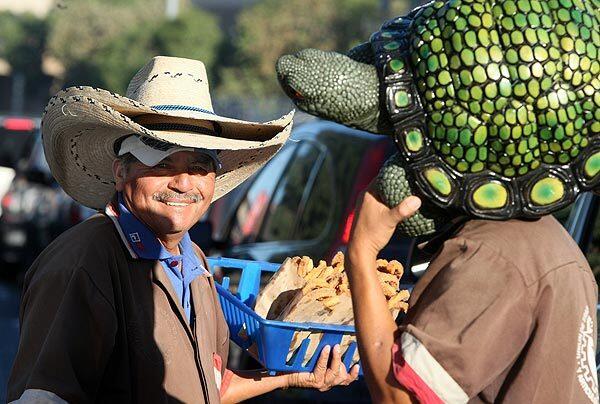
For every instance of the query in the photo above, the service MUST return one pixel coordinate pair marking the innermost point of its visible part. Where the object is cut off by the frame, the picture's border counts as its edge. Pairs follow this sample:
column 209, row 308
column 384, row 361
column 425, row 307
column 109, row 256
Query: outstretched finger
column 336, row 373
column 336, row 360
column 354, row 372
column 321, row 366
column 346, row 378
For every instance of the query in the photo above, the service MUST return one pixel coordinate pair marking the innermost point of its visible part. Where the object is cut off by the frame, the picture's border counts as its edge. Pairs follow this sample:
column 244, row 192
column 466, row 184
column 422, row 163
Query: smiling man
column 121, row 308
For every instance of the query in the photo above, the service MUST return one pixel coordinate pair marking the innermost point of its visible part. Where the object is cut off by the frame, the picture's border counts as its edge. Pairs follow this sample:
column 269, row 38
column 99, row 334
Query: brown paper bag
column 280, row 290
column 310, row 308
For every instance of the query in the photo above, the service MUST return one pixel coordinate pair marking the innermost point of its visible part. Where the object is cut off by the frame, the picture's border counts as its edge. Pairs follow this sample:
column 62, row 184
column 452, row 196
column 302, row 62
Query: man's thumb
column 407, row 208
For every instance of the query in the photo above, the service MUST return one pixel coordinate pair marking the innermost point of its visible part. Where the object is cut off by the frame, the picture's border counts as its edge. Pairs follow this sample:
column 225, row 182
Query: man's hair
column 126, row 161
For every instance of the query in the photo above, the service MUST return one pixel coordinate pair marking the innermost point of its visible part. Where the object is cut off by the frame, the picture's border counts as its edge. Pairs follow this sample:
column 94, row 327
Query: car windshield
column 37, row 159
column 14, row 146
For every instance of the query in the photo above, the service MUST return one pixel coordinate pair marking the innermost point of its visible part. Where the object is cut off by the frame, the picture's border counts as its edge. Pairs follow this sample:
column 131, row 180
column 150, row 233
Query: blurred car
column 17, row 136
column 302, row 201
column 35, row 210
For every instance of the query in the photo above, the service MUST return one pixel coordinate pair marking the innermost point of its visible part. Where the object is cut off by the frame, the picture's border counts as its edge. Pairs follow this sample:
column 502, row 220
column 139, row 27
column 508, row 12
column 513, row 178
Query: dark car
column 17, row 136
column 35, row 210
column 302, row 201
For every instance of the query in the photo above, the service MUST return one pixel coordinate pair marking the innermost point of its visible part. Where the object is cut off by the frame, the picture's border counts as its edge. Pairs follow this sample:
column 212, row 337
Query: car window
column 286, row 205
column 347, row 152
column 251, row 211
column 14, row 146
column 318, row 212
column 37, row 159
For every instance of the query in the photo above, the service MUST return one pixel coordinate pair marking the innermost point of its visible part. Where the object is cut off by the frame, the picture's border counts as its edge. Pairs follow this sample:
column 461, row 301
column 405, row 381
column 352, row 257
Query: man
column 121, row 308
column 504, row 313
column 506, row 309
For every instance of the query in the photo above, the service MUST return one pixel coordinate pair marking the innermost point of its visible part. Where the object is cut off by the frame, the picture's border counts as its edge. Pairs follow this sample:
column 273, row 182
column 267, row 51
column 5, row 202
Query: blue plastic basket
column 269, row 339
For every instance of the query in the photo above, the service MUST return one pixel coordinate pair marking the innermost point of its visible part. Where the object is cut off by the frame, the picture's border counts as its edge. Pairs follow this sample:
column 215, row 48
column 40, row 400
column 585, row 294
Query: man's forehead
column 187, row 155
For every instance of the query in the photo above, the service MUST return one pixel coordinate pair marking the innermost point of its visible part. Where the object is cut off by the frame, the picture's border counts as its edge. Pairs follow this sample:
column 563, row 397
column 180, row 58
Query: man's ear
column 119, row 173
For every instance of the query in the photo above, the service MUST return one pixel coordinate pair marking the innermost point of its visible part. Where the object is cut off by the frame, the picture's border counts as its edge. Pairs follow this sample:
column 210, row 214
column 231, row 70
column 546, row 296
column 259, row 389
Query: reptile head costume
column 494, row 106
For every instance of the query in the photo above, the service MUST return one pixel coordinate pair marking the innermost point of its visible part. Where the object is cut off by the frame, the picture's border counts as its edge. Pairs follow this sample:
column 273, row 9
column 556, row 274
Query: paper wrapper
column 280, row 290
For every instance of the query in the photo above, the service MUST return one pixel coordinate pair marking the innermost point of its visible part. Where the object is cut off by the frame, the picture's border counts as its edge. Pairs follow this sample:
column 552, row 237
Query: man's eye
column 201, row 168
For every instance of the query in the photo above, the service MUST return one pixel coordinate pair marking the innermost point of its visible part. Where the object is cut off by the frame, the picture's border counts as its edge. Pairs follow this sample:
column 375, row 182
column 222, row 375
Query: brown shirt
column 100, row 326
column 506, row 312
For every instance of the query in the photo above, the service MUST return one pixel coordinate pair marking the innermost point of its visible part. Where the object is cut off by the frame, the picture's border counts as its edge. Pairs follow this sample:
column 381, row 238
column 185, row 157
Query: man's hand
column 375, row 223
column 323, row 378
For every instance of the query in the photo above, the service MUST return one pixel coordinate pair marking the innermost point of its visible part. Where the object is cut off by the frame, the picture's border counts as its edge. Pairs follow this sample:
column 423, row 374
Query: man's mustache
column 177, row 197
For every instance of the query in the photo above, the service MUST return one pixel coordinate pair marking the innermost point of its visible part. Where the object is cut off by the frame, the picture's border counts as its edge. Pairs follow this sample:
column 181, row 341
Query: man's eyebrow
column 201, row 158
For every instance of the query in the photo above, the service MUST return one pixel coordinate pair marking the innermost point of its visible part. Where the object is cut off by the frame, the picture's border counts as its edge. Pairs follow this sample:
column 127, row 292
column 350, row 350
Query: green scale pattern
column 508, row 85
column 493, row 105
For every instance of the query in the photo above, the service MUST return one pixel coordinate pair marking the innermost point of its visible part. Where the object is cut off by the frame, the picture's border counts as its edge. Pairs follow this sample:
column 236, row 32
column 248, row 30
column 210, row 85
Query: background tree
column 271, row 28
column 114, row 41
column 194, row 34
column 103, row 42
column 80, row 29
column 22, row 43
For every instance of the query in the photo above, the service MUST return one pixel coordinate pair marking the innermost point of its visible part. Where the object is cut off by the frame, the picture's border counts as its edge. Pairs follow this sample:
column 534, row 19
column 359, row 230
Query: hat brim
column 236, row 130
column 79, row 132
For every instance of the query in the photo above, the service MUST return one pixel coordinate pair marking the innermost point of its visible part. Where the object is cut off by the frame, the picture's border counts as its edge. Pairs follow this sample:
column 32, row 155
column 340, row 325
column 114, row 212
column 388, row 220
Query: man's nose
column 181, row 182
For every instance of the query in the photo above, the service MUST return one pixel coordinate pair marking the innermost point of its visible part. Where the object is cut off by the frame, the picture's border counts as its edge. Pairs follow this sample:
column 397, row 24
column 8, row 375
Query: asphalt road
column 9, row 331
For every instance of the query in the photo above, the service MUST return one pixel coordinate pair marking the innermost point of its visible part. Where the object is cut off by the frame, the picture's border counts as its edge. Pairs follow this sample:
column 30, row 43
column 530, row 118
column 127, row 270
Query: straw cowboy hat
column 166, row 100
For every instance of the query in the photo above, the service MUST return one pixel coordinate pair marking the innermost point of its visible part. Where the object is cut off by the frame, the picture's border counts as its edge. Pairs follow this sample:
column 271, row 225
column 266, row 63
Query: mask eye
column 293, row 93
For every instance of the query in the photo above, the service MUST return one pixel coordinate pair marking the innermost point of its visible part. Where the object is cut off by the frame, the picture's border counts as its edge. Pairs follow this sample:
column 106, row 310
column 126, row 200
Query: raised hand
column 375, row 222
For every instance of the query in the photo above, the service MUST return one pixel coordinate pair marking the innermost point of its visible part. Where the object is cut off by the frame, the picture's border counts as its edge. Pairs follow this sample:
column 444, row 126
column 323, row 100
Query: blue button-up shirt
column 182, row 269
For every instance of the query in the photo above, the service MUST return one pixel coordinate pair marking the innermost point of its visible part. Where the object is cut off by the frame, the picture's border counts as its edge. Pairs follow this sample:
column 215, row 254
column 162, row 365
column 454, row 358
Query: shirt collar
column 138, row 238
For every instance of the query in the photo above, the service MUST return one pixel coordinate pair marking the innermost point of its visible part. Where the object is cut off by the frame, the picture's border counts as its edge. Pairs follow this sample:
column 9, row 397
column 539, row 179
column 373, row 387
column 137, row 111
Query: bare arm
column 374, row 226
column 245, row 385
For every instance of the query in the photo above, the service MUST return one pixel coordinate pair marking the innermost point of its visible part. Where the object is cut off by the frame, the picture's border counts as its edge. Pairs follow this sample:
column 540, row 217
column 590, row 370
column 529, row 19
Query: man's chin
column 176, row 226
column 172, row 231
column 172, row 220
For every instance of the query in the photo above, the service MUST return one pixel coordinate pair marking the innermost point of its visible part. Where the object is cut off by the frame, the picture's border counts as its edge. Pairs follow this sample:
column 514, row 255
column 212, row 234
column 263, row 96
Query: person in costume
column 121, row 308
column 495, row 113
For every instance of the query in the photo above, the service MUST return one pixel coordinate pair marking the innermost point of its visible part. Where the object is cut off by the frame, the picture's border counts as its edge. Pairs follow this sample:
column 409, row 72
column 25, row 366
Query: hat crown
column 170, row 81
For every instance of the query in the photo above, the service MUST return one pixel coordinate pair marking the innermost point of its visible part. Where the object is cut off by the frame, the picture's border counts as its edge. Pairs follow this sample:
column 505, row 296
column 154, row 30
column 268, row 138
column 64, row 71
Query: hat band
column 182, row 127
column 181, row 108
